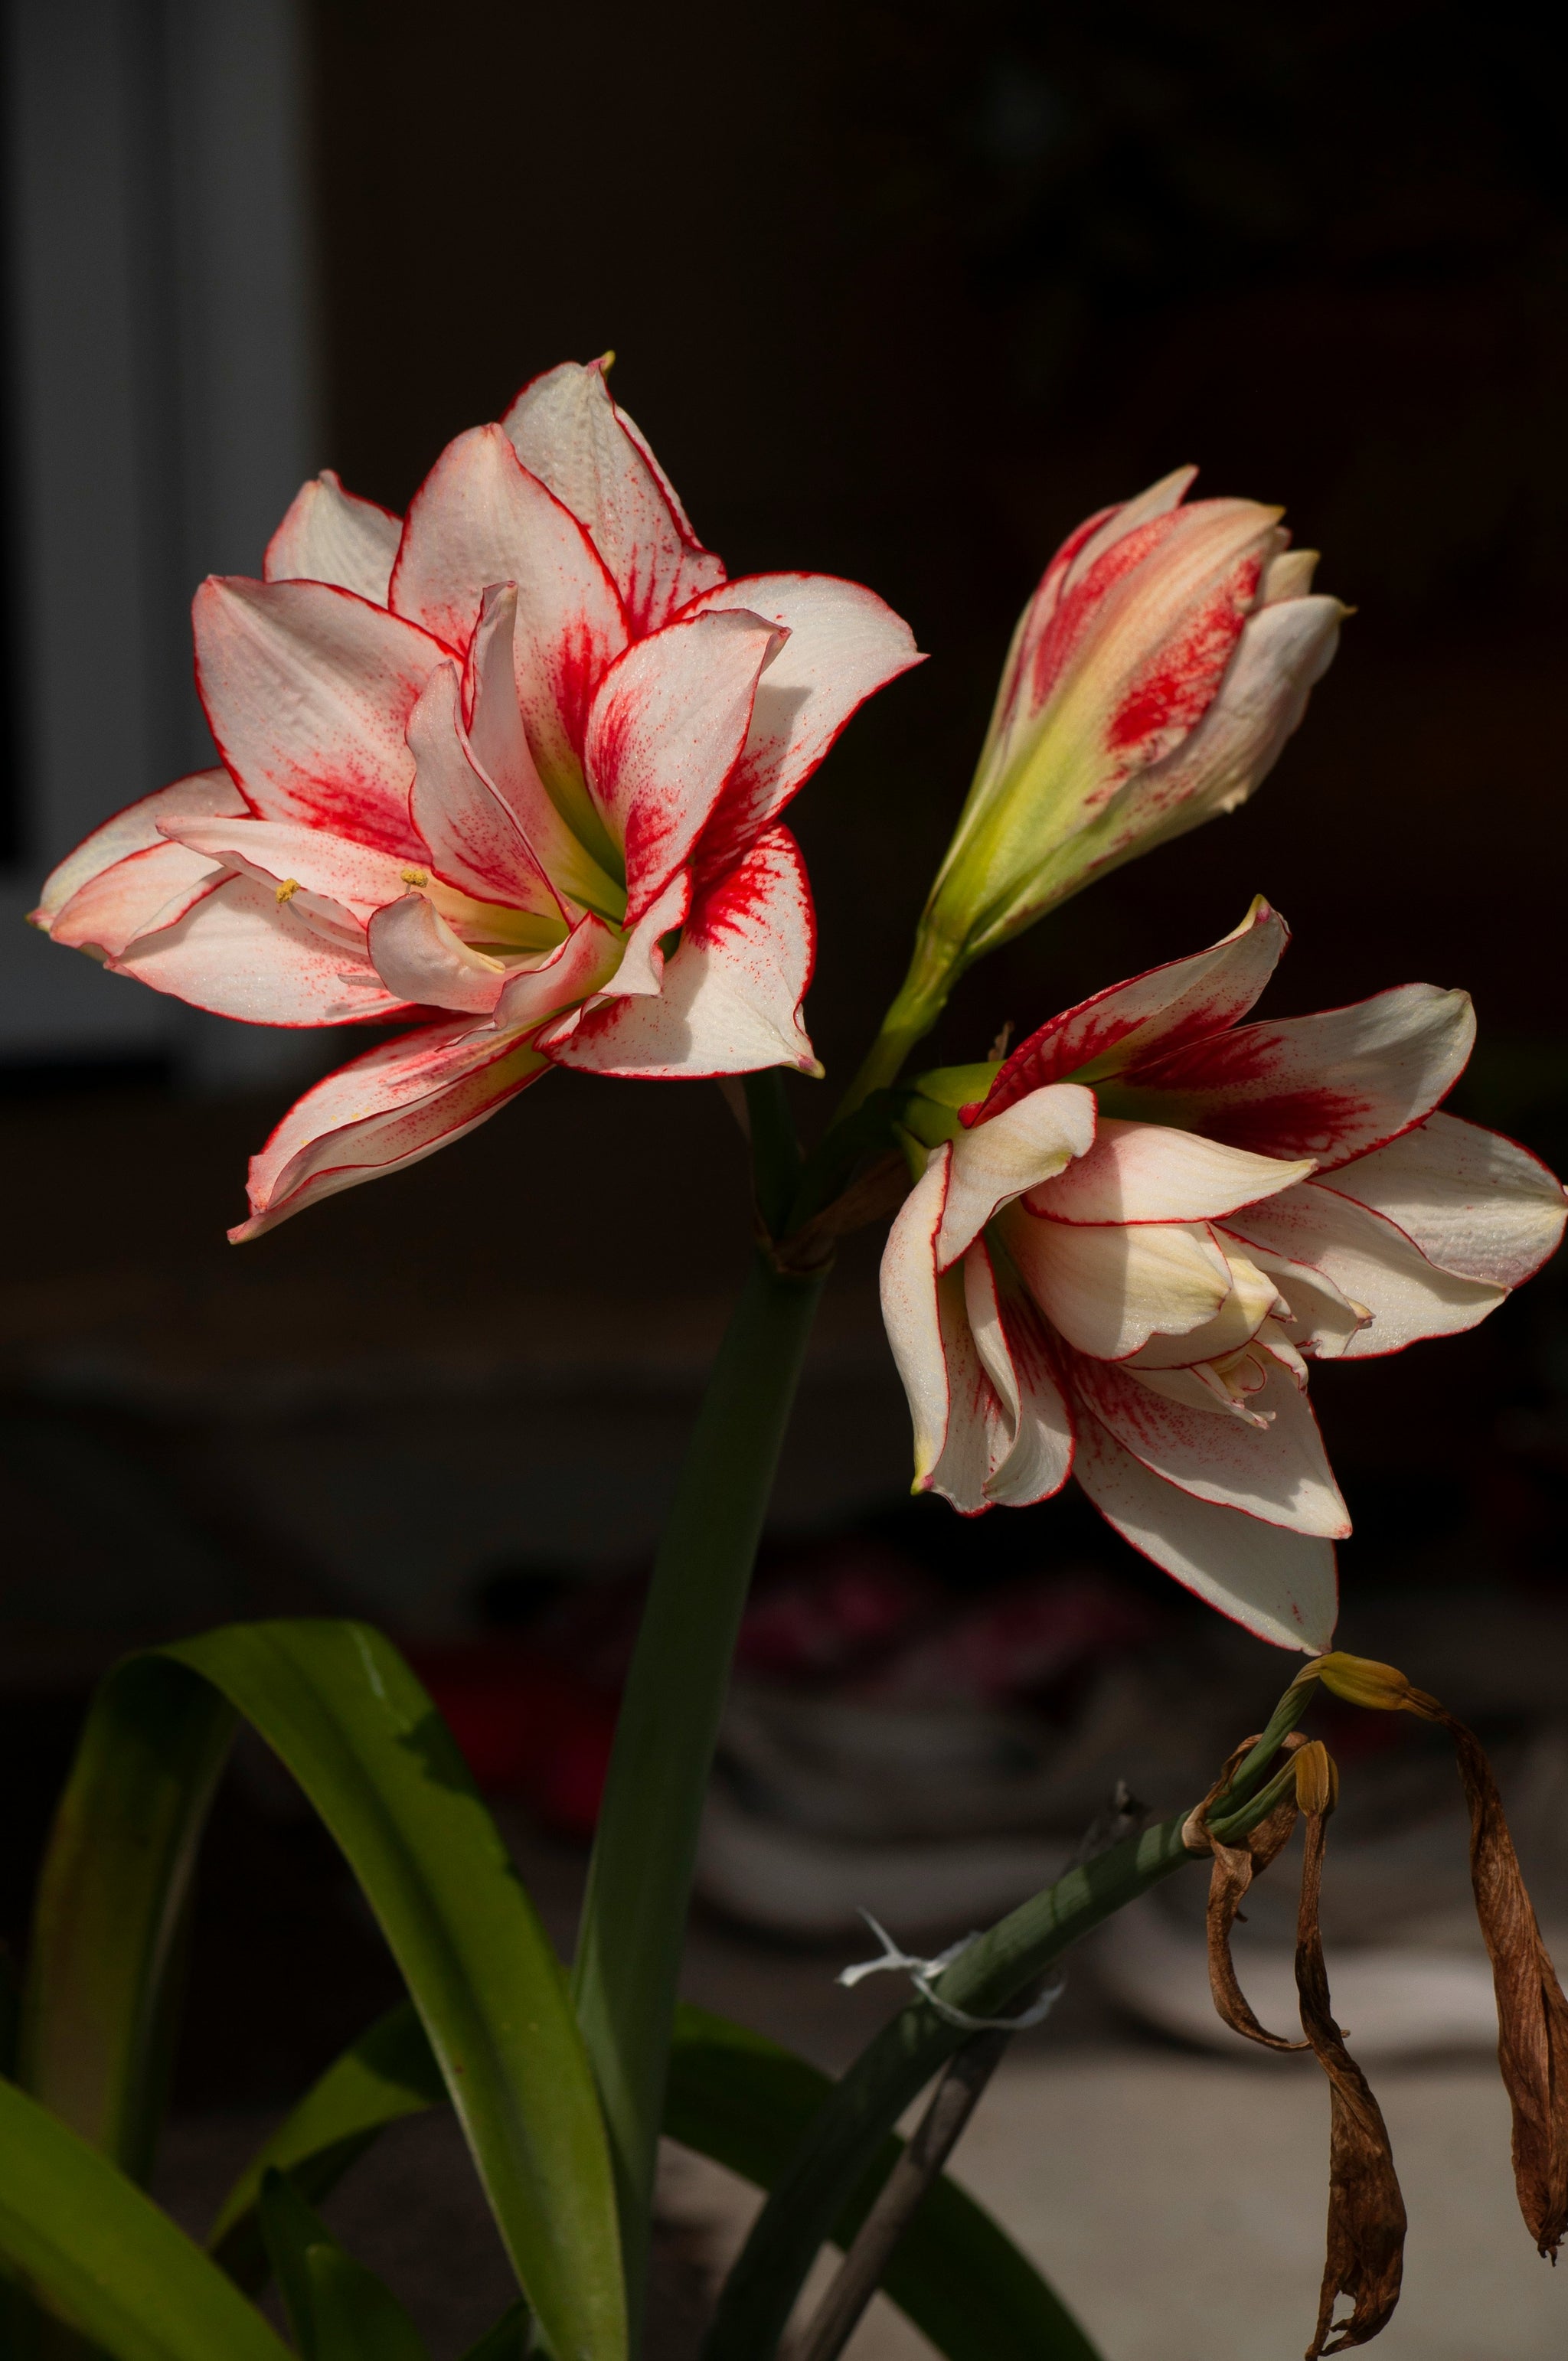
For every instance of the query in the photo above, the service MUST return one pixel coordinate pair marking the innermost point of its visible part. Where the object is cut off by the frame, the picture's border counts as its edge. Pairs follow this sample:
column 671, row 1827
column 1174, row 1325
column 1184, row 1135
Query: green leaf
column 103, row 1976
column 337, row 2309
column 389, row 2073
column 107, row 2256
column 746, row 2103
column 342, row 1711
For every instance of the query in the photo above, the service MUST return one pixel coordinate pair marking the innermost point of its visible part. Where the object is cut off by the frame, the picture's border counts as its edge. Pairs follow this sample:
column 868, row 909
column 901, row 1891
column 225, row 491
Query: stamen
column 416, row 877
column 287, row 891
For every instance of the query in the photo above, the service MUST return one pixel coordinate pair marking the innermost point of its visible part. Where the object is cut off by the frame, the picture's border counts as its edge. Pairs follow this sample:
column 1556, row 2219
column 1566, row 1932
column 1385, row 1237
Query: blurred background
column 901, row 293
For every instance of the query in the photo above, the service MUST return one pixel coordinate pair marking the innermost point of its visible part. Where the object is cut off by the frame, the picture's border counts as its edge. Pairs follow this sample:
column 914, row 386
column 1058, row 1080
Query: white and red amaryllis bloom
column 513, row 766
column 1120, row 1262
column 1152, row 681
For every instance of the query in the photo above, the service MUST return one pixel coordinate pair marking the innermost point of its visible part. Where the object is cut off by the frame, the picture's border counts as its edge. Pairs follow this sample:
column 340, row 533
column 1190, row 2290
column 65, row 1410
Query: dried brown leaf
column 1365, row 2246
column 1532, row 2014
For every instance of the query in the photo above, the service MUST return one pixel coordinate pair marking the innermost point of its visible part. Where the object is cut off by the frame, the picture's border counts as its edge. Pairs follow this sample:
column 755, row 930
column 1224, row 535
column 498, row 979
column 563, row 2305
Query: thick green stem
column 934, row 967
column 983, row 1981
column 635, row 1913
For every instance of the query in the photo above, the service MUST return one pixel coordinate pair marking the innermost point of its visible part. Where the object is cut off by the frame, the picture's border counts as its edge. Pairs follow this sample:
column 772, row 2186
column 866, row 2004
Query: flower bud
column 1359, row 1680
column 1161, row 665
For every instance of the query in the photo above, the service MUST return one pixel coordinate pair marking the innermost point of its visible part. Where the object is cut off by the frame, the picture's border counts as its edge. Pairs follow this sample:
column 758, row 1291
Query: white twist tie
column 921, row 1973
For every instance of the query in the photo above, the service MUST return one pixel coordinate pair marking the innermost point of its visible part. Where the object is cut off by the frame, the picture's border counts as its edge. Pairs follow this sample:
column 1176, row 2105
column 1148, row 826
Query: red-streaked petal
column 1371, row 1261
column 1321, row 1319
column 1186, row 1000
column 642, row 968
column 479, row 518
column 568, row 432
column 275, row 851
column 998, row 1161
column 1152, row 1172
column 420, row 960
column 134, row 897
column 1332, row 1087
column 1109, row 1291
column 668, row 721
column 500, row 748
column 392, row 1107
column 474, row 840
column 1279, row 1584
column 1474, row 1202
column 732, row 994
column 309, row 691
column 1278, row 1473
column 1030, row 1431
column 331, row 535
column 586, row 963
column 911, row 1311
column 243, row 953
column 844, row 644
column 133, row 830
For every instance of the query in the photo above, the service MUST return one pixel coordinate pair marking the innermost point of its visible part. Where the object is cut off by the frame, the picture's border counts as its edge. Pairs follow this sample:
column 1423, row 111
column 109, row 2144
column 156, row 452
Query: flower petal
column 1109, row 1291
column 1333, row 1086
column 276, row 850
column 668, row 721
column 568, row 433
column 1321, row 1320
column 474, row 840
column 1152, row 1172
column 134, row 897
column 1186, row 1000
column 1250, row 1301
column 585, row 963
column 243, row 953
column 1279, row 1584
column 912, row 1313
column 1030, row 1441
column 996, row 1162
column 1474, row 1202
column 419, row 958
column 732, row 994
column 844, row 644
column 480, row 518
column 135, row 830
column 331, row 535
column 398, row 1103
column 1371, row 1261
column 1278, row 1472
column 309, row 691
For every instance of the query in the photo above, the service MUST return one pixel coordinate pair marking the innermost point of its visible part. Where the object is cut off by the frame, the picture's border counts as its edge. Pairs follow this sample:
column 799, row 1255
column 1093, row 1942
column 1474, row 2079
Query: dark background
column 898, row 293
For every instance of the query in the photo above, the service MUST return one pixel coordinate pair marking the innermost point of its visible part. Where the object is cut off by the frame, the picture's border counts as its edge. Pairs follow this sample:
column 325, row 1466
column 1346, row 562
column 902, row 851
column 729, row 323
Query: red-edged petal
column 398, row 1103
column 243, row 953
column 309, row 692
column 568, row 432
column 420, row 960
column 732, row 994
column 1279, row 1584
column 1152, row 1172
column 1332, row 1087
column 475, row 841
column 844, row 644
column 135, row 830
column 998, row 1161
column 585, row 963
column 137, row 897
column 480, row 518
column 280, row 852
column 331, row 535
column 911, row 1309
column 668, row 721
column 1030, row 1429
column 1109, row 1291
column 1186, row 1000
column 1372, row 1262
column 1278, row 1472
column 1474, row 1202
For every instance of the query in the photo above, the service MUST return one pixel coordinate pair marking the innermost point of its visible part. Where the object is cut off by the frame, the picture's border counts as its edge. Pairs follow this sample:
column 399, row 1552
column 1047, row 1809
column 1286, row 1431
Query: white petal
column 1152, row 1172
column 1280, row 1585
column 1278, row 1473
column 331, row 535
column 1109, row 1291
column 1371, row 1262
column 419, row 958
column 910, row 1310
column 135, row 830
column 1472, row 1201
column 999, row 1159
column 242, row 954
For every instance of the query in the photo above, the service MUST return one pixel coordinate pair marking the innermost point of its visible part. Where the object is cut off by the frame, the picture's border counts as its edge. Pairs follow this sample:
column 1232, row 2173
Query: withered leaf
column 1234, row 1868
column 1532, row 2014
column 1365, row 2248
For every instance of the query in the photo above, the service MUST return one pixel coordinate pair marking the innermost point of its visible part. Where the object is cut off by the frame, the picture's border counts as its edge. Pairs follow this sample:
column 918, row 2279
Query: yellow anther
column 287, row 891
column 416, row 877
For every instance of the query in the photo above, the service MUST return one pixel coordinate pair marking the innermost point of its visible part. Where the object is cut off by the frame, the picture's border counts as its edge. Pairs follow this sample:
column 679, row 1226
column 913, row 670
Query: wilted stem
column 635, row 1915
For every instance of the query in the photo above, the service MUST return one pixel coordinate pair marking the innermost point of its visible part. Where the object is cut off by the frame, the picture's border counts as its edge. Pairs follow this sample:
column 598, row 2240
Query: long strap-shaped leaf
column 104, row 2254
column 733, row 2096
column 342, row 1711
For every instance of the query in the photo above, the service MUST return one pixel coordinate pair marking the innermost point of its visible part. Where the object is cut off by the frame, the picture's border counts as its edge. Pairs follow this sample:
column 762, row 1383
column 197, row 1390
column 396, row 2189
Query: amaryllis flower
column 1154, row 677
column 513, row 766
column 1122, row 1260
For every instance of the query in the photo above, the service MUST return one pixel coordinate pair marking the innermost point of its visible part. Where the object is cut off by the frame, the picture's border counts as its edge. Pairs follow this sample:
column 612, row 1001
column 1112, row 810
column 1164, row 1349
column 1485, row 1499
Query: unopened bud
column 1316, row 1778
column 1360, row 1680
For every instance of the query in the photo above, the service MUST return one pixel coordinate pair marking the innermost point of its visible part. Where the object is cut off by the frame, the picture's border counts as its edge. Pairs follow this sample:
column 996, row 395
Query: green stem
column 639, row 1883
column 934, row 967
column 807, row 2198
